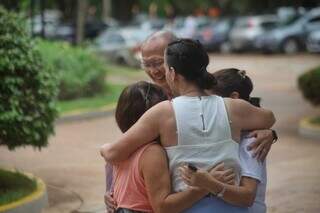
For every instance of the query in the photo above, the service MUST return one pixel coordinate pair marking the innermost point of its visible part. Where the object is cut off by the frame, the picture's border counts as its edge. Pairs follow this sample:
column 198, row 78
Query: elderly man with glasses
column 152, row 57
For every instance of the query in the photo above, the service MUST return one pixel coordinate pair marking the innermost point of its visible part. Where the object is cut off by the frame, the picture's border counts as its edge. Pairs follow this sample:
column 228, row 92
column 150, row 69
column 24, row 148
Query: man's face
column 153, row 63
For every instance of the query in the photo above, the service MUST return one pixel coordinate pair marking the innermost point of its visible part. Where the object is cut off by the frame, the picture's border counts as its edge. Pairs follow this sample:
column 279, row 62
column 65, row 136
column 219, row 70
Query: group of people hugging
column 193, row 141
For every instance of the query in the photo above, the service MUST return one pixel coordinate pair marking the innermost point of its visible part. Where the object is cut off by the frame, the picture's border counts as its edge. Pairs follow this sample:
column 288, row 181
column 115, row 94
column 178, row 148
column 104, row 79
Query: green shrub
column 28, row 88
column 81, row 73
column 309, row 84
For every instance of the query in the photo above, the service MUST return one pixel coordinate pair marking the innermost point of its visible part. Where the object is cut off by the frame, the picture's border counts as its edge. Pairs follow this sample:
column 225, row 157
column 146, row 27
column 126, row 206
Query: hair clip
column 242, row 73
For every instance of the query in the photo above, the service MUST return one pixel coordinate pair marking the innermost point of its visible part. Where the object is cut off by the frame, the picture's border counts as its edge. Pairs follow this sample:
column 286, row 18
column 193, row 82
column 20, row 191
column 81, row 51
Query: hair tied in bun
column 203, row 70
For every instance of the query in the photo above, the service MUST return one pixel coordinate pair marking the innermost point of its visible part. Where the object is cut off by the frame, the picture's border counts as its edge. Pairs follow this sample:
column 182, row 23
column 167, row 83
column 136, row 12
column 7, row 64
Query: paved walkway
column 73, row 170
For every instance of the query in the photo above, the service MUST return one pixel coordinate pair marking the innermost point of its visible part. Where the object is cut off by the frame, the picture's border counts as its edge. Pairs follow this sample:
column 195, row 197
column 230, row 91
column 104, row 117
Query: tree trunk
column 81, row 15
column 43, row 22
column 122, row 9
column 106, row 9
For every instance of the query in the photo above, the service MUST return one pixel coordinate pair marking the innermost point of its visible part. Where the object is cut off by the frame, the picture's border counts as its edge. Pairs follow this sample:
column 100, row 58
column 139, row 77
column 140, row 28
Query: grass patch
column 315, row 121
column 122, row 70
column 14, row 186
column 110, row 97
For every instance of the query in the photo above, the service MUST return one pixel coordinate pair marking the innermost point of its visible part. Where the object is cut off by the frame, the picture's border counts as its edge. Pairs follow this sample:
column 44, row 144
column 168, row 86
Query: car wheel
column 290, row 46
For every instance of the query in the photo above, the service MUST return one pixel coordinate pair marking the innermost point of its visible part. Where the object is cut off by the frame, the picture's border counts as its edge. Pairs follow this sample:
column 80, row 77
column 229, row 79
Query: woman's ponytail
column 206, row 80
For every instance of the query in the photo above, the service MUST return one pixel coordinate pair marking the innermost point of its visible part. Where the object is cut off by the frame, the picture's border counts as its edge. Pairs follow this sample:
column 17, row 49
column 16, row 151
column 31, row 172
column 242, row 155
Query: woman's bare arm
column 156, row 174
column 248, row 117
column 243, row 195
column 144, row 131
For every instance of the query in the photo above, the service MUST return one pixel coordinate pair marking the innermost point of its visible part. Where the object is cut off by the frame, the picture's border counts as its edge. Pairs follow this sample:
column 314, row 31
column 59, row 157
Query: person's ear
column 172, row 73
column 235, row 95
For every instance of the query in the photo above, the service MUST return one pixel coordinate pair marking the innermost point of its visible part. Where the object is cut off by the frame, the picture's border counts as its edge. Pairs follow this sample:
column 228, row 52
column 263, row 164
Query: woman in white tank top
column 194, row 127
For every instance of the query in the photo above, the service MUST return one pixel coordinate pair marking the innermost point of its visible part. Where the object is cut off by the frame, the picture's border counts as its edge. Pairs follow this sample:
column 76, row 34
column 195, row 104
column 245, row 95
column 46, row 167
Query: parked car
column 189, row 27
column 247, row 29
column 290, row 37
column 65, row 32
column 313, row 42
column 51, row 23
column 216, row 36
column 122, row 45
column 153, row 24
column 92, row 28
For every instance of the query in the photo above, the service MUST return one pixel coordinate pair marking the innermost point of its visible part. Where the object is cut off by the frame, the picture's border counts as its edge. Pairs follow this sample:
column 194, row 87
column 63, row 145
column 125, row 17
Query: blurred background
column 63, row 64
column 117, row 28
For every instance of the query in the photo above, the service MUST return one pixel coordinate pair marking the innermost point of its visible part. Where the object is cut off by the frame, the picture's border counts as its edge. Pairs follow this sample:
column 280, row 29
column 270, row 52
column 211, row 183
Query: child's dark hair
column 189, row 59
column 233, row 80
column 135, row 100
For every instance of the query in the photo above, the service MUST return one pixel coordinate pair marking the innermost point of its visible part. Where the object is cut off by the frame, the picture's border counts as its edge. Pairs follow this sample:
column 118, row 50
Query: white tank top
column 204, row 136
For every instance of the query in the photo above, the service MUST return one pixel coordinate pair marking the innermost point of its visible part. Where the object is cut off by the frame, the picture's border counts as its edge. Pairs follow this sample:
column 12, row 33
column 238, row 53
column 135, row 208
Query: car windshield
column 242, row 23
column 288, row 21
column 268, row 25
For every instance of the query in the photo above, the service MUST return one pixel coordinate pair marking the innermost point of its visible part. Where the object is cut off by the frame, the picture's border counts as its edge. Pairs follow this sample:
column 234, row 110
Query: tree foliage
column 28, row 88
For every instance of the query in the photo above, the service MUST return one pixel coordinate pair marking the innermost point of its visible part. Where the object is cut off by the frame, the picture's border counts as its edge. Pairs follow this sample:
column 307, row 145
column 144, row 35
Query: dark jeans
column 121, row 210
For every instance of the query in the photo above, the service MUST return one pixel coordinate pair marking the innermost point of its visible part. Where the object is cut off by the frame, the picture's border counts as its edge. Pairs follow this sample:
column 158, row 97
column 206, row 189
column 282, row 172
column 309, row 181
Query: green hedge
column 309, row 84
column 81, row 73
column 28, row 88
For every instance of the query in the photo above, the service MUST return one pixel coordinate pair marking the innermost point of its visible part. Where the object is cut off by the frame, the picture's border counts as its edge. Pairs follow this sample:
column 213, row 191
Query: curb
column 85, row 115
column 309, row 130
column 34, row 202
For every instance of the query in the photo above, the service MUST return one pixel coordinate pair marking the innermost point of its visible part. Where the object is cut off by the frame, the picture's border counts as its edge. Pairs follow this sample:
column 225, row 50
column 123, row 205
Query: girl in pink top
column 129, row 188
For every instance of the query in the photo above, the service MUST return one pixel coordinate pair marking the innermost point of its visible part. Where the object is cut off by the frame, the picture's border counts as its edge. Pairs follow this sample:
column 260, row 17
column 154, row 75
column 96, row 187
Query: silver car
column 122, row 45
column 247, row 29
column 290, row 37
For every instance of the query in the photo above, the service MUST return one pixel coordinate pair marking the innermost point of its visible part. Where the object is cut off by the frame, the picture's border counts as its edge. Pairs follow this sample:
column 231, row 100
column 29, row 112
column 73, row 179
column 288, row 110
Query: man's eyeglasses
column 152, row 64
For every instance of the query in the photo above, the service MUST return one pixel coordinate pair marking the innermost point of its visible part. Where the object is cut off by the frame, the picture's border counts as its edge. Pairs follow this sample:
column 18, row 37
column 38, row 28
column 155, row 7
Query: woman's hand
column 223, row 175
column 263, row 143
column 198, row 179
column 111, row 205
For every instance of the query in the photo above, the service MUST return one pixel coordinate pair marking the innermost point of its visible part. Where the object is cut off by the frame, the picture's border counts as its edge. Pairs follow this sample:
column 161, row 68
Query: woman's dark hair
column 233, row 80
column 135, row 100
column 189, row 59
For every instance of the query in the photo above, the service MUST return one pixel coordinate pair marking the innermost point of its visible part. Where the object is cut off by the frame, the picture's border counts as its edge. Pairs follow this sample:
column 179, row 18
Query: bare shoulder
column 164, row 106
column 236, row 105
column 153, row 150
column 236, row 102
column 157, row 113
column 153, row 162
column 153, row 155
column 162, row 110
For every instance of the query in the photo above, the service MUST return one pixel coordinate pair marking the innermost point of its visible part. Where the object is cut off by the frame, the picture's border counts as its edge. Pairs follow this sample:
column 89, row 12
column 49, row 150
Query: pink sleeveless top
column 129, row 188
